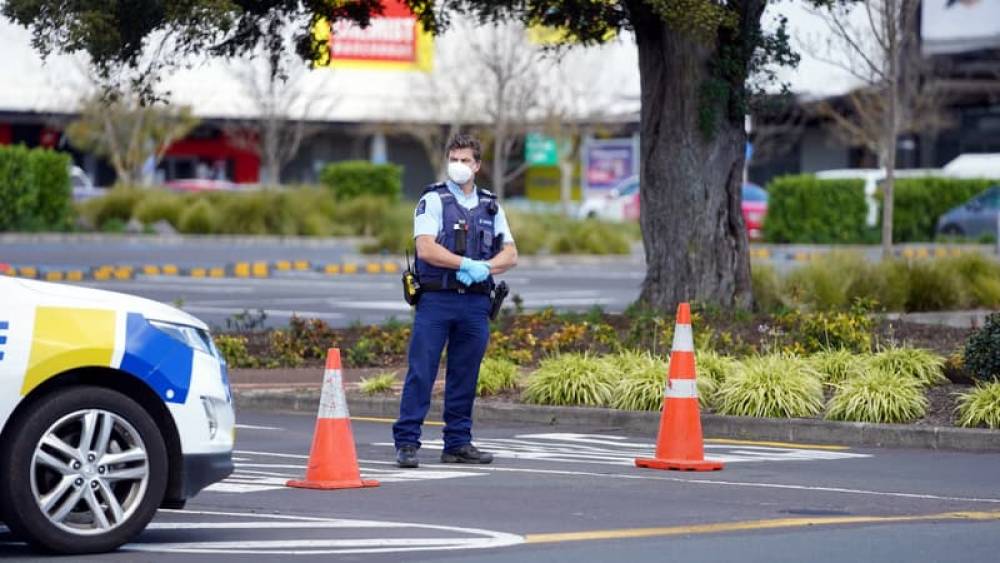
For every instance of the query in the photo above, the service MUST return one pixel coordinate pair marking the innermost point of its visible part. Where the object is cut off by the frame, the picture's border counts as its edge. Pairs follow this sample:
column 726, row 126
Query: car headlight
column 194, row 337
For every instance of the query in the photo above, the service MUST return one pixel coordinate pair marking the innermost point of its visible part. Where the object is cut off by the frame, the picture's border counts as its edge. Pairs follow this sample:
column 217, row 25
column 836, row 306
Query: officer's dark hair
column 466, row 141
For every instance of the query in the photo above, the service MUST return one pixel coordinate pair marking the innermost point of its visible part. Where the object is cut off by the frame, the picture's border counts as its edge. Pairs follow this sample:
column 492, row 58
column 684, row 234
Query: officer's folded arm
column 436, row 255
column 504, row 260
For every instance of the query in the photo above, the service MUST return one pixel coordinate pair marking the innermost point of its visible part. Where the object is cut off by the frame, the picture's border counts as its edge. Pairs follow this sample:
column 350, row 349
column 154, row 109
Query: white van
column 111, row 406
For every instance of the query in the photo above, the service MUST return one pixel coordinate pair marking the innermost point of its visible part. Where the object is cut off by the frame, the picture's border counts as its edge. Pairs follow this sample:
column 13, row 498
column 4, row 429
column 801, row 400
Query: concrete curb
column 804, row 431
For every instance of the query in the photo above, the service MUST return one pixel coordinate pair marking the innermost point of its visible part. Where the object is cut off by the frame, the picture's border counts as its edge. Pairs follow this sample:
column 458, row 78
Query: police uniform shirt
column 429, row 214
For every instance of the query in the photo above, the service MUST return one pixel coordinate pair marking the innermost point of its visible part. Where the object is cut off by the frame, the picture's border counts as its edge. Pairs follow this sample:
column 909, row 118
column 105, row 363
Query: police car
column 111, row 406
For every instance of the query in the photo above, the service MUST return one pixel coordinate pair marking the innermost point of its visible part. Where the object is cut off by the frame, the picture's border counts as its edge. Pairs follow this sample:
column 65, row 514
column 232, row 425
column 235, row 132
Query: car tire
column 121, row 470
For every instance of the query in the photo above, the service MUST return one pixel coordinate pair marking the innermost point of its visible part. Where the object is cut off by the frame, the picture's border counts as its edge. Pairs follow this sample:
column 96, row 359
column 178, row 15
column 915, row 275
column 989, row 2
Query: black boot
column 466, row 454
column 406, row 457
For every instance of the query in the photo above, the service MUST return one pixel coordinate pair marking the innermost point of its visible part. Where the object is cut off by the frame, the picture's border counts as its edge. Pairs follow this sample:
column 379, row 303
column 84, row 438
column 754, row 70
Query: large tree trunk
column 693, row 231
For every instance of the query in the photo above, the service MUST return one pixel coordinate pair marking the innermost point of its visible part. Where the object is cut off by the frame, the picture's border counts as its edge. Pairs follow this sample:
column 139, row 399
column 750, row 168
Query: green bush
column 496, row 375
column 918, row 202
column 878, row 396
column 713, row 370
column 825, row 284
column 381, row 383
column 923, row 366
column 980, row 278
column 116, row 205
column 804, row 209
column 767, row 294
column 160, row 206
column 234, row 350
column 933, row 286
column 982, row 351
column 530, row 231
column 35, row 191
column 571, row 379
column 589, row 237
column 17, row 194
column 53, row 208
column 813, row 332
column 980, row 407
column 776, row 386
column 200, row 219
column 355, row 178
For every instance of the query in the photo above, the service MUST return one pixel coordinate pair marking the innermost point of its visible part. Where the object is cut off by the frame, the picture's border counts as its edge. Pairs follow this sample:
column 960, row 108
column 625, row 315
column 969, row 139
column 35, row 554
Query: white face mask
column 459, row 173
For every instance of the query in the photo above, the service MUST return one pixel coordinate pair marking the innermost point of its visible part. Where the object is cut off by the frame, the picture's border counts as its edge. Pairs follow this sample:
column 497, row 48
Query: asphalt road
column 371, row 298
column 558, row 494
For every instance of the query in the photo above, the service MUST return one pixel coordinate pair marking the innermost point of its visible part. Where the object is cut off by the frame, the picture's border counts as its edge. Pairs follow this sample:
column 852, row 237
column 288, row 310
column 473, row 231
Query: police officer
column 462, row 240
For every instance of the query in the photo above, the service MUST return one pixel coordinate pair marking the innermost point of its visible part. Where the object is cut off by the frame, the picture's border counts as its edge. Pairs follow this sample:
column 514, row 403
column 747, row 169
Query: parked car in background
column 974, row 218
column 754, row 210
column 83, row 188
column 622, row 204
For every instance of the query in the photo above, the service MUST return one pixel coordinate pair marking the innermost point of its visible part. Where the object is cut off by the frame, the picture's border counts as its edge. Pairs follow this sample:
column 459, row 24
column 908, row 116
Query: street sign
column 540, row 150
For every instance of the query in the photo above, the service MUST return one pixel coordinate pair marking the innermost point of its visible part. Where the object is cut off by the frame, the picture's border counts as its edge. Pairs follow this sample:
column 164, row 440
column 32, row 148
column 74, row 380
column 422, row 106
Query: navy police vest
column 476, row 226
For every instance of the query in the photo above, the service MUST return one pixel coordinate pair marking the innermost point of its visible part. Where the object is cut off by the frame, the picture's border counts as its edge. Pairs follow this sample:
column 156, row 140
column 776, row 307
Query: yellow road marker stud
column 751, row 525
column 27, row 272
column 390, row 267
column 241, row 270
column 170, row 270
column 283, row 265
column 198, row 272
column 74, row 275
column 373, row 268
column 151, row 270
column 350, row 268
column 301, row 265
column 53, row 276
column 260, row 270
column 217, row 272
column 332, row 269
column 123, row 273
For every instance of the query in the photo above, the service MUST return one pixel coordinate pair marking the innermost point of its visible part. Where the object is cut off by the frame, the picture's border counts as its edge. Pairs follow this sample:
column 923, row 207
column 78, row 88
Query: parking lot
column 562, row 494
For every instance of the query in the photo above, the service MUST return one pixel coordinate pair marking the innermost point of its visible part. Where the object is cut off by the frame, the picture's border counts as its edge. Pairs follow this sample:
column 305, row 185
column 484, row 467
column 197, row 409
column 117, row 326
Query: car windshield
column 991, row 198
column 754, row 193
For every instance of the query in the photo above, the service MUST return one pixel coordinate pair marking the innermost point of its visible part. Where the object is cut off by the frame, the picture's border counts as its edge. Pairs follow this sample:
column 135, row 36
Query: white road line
column 462, row 538
column 252, row 427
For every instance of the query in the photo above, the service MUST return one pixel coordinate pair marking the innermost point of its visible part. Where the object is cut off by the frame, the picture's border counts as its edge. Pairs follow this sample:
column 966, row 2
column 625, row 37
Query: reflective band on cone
column 680, row 445
column 333, row 459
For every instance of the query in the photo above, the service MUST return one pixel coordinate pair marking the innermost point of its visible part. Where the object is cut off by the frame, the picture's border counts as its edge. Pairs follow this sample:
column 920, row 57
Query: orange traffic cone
column 679, row 444
column 333, row 461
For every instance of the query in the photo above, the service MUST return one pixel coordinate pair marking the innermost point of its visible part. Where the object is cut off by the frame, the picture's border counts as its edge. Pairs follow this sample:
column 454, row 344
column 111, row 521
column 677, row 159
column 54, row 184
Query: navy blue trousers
column 461, row 321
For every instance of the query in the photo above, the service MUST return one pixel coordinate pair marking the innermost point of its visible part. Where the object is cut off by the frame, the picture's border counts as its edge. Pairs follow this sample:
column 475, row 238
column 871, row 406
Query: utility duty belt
column 480, row 288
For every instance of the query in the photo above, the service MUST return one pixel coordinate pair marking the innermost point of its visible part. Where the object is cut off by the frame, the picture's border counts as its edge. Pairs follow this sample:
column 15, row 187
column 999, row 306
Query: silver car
column 974, row 218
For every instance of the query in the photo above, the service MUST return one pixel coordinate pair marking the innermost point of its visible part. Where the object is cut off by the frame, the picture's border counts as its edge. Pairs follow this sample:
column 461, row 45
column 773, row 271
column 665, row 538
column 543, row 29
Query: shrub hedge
column 354, row 178
column 35, row 192
column 804, row 209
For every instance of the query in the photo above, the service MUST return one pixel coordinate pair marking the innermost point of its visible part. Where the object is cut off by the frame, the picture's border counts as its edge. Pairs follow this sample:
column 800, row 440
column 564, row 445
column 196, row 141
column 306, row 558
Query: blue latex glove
column 480, row 271
column 464, row 277
column 477, row 270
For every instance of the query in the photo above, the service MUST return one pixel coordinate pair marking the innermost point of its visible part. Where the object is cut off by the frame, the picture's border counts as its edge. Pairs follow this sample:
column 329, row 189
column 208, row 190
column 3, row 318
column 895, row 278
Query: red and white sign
column 392, row 37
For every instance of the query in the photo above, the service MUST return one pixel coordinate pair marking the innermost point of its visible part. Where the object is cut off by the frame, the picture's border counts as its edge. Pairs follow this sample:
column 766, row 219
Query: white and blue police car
column 111, row 406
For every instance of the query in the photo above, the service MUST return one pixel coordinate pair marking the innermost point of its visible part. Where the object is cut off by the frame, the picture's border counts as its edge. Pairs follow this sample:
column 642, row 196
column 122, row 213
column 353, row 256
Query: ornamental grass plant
column 571, row 379
column 879, row 396
column 837, row 366
column 496, row 375
column 639, row 380
column 924, row 366
column 381, row 383
column 776, row 386
column 980, row 407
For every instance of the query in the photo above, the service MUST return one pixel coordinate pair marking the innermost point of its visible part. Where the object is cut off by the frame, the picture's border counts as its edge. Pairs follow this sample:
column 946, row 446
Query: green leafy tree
column 696, row 59
column 128, row 132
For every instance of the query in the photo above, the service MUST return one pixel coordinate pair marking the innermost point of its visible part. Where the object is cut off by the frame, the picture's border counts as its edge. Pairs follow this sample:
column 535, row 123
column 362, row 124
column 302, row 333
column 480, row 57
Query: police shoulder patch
column 421, row 207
